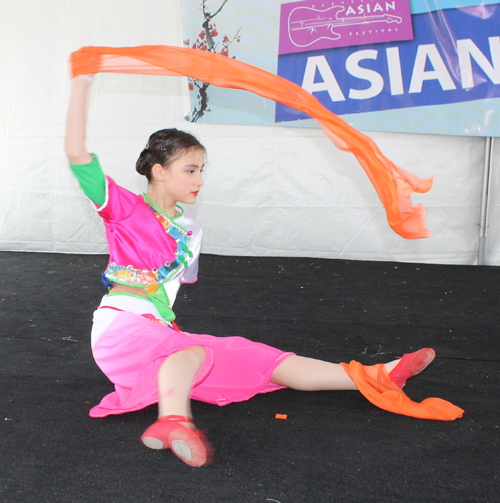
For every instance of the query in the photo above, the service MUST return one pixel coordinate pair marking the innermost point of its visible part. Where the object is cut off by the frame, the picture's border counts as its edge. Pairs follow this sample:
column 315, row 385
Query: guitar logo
column 307, row 25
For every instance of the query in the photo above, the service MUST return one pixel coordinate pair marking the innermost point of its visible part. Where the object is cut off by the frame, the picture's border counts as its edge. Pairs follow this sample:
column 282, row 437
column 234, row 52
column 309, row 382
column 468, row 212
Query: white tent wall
column 268, row 190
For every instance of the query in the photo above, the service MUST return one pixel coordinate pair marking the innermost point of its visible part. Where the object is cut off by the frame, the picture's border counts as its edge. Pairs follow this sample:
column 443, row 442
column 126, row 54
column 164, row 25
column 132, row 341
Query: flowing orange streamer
column 377, row 387
column 394, row 186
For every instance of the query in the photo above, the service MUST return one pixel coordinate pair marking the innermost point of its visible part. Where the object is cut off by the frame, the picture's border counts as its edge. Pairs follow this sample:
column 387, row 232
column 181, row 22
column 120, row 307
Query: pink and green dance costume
column 133, row 335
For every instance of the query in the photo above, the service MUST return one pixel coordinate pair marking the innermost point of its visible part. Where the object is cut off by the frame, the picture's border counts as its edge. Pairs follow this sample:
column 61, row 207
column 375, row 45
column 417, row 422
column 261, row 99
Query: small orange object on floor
column 281, row 416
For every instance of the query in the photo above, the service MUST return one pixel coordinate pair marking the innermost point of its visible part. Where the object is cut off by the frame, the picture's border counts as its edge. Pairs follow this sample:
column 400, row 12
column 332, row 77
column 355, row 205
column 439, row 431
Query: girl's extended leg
column 174, row 428
column 308, row 374
column 378, row 384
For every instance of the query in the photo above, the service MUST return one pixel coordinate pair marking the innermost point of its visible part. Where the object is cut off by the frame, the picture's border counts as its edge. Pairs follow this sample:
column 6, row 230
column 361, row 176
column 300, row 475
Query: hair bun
column 141, row 164
column 164, row 147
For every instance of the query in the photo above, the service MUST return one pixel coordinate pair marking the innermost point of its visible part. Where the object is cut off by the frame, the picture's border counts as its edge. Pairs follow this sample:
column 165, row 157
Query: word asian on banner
column 311, row 25
column 453, row 57
column 410, row 66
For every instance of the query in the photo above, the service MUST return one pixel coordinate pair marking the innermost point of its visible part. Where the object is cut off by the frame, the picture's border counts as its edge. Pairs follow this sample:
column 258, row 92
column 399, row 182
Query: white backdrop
column 268, row 190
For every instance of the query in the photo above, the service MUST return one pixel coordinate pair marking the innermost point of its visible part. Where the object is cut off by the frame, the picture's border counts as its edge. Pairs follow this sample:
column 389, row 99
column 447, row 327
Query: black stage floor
column 334, row 446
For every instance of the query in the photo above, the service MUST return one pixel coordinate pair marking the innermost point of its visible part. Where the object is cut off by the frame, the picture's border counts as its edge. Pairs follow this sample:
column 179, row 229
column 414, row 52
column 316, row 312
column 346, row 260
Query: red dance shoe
column 410, row 365
column 189, row 445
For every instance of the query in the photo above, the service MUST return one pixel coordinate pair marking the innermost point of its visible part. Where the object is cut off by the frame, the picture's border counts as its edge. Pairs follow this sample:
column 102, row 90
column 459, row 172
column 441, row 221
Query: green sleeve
column 91, row 180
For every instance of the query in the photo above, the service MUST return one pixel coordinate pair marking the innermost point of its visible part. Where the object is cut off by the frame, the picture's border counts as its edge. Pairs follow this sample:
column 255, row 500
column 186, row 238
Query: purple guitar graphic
column 307, row 25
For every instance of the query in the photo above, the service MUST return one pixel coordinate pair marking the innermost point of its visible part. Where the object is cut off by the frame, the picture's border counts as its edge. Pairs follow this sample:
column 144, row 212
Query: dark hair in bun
column 164, row 147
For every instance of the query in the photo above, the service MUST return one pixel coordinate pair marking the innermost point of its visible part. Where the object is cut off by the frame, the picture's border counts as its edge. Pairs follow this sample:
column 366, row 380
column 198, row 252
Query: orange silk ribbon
column 377, row 387
column 394, row 186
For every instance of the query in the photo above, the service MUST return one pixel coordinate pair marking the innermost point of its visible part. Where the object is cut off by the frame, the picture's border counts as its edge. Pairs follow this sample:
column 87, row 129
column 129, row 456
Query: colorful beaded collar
column 128, row 275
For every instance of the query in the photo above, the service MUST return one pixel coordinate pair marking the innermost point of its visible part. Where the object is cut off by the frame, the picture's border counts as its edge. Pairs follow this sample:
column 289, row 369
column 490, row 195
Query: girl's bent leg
column 174, row 428
column 175, row 380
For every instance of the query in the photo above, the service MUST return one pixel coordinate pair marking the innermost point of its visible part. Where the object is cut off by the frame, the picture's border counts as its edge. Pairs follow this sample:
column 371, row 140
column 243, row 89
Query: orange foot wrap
column 377, row 387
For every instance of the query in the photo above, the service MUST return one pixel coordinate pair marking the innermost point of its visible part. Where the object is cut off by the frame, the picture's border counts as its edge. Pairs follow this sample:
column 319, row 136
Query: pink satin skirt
column 132, row 348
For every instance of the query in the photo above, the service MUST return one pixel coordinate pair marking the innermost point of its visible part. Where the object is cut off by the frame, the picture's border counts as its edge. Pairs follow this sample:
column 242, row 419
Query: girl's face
column 182, row 180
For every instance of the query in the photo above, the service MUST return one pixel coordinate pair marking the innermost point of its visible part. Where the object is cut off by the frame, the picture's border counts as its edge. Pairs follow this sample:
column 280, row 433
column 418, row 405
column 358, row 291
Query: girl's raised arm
column 85, row 167
column 74, row 142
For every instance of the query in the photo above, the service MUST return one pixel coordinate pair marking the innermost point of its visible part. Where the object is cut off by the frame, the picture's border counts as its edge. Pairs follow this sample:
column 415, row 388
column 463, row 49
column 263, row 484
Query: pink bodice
column 147, row 248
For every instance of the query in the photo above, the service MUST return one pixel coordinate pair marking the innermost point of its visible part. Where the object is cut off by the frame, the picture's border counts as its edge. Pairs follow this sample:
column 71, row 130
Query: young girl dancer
column 154, row 248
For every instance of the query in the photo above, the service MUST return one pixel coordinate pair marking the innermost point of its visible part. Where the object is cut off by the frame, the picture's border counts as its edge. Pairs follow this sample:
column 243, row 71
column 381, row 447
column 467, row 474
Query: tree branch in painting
column 208, row 40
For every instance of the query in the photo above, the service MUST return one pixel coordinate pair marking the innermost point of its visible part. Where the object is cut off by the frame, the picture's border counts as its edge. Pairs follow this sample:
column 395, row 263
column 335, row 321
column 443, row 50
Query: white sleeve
column 191, row 273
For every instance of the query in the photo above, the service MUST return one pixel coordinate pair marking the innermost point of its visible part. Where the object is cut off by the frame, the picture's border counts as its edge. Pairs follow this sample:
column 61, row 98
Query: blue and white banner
column 444, row 80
